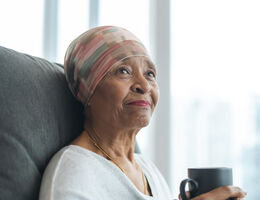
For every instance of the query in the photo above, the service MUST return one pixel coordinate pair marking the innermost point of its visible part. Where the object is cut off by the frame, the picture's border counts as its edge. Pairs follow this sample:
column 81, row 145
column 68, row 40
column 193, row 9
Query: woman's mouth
column 139, row 103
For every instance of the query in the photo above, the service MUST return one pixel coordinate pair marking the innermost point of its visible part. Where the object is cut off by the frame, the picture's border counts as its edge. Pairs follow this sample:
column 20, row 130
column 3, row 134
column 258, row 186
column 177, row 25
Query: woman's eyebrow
column 128, row 61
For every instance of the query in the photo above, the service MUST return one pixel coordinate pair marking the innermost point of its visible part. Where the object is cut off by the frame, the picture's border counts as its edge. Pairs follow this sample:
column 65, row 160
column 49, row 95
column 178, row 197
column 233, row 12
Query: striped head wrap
column 90, row 56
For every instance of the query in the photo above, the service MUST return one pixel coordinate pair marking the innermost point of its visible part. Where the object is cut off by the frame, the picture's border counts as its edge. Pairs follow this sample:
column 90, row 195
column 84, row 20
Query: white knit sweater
column 75, row 173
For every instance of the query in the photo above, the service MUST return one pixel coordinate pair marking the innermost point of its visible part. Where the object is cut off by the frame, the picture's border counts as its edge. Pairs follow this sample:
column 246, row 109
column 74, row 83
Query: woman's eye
column 151, row 74
column 123, row 71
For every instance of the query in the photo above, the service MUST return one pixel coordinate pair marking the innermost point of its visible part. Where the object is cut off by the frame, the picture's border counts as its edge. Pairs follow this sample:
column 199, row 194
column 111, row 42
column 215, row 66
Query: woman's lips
column 139, row 103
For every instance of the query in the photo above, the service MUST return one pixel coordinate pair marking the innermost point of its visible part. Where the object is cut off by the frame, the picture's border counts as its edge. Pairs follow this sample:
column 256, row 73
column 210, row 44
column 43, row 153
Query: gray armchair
column 38, row 116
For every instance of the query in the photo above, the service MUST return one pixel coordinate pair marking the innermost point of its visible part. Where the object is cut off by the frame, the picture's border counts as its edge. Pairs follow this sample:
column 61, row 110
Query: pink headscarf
column 90, row 56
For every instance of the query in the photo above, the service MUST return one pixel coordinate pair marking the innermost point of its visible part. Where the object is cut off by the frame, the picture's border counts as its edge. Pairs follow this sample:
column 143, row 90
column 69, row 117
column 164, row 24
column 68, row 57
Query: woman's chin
column 140, row 122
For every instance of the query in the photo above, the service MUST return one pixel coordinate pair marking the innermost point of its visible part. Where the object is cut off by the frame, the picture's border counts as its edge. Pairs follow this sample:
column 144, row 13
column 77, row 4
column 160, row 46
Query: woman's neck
column 117, row 142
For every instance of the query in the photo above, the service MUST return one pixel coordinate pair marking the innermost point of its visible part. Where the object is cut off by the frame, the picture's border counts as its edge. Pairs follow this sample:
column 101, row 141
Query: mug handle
column 194, row 187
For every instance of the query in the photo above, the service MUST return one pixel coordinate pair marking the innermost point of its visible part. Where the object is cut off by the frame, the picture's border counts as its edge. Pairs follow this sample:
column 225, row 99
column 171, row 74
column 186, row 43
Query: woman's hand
column 223, row 193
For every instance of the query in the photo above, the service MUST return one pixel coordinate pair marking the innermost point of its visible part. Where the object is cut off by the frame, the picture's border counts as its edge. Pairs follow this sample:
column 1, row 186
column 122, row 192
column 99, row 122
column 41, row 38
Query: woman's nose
column 141, row 86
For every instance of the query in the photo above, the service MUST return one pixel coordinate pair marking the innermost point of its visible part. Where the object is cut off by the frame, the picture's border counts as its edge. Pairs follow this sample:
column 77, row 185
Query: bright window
column 132, row 15
column 73, row 19
column 22, row 25
column 216, row 88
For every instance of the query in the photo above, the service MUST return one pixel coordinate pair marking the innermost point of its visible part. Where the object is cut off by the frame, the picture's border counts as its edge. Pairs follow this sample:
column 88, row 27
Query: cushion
column 38, row 116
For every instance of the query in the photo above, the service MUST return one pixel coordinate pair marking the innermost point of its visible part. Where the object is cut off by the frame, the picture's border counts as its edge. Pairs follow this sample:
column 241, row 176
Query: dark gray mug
column 202, row 180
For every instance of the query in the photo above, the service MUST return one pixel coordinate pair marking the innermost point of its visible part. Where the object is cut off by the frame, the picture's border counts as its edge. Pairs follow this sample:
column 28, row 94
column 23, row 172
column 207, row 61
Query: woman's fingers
column 223, row 193
column 230, row 192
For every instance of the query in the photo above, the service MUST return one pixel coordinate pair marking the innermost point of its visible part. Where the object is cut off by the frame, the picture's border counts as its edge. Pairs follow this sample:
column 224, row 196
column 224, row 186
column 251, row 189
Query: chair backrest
column 38, row 116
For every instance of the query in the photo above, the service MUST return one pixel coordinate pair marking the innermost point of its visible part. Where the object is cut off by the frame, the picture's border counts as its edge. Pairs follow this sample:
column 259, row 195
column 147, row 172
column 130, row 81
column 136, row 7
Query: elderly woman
column 109, row 70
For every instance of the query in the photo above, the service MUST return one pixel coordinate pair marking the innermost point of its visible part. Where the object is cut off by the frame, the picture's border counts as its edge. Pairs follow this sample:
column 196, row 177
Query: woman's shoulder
column 69, row 160
column 71, row 171
column 71, row 166
column 70, row 153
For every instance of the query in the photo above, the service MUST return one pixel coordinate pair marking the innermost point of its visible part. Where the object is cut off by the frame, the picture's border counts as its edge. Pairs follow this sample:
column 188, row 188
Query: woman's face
column 127, row 95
